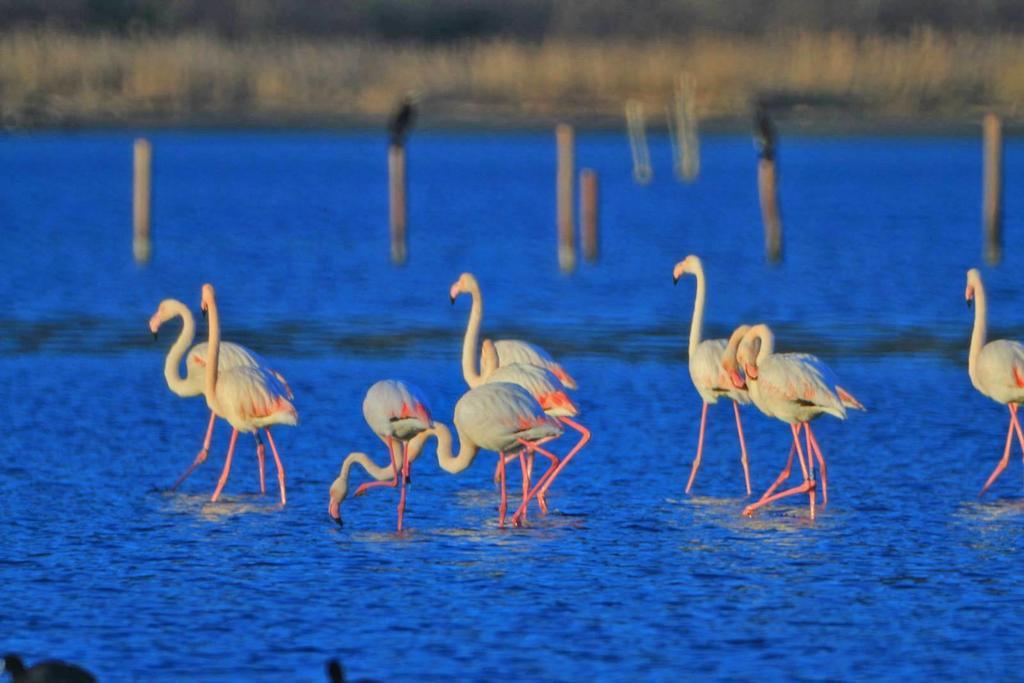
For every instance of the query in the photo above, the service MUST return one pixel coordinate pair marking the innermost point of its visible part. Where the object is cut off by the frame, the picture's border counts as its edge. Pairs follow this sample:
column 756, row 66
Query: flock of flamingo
column 518, row 400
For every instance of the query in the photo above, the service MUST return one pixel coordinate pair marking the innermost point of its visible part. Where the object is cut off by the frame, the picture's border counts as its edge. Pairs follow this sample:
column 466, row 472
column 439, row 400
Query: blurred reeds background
column 81, row 71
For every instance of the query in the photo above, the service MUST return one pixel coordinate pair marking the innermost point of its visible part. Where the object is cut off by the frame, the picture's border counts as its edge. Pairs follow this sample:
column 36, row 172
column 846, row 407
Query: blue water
column 905, row 573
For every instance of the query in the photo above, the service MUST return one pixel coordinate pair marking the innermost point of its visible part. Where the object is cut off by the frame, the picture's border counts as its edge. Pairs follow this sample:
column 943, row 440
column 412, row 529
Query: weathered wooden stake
column 588, row 213
column 635, row 126
column 396, row 207
column 566, row 176
column 767, row 184
column 992, row 208
column 687, row 143
column 141, row 184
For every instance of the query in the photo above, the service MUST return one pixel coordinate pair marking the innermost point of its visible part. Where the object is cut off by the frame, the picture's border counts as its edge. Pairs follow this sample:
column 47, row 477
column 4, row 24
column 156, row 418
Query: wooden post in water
column 141, row 193
column 396, row 202
column 642, row 171
column 992, row 207
column 588, row 213
column 566, row 177
column 767, row 184
column 684, row 130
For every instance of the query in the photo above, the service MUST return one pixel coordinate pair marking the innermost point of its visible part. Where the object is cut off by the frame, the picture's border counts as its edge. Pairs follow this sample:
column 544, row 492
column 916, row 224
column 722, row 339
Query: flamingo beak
column 334, row 510
column 751, row 371
column 737, row 381
column 969, row 295
column 453, row 292
column 154, row 335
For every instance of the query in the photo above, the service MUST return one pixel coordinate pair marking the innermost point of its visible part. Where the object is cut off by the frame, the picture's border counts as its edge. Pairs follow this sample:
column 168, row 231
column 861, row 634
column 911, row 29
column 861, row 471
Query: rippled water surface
column 906, row 573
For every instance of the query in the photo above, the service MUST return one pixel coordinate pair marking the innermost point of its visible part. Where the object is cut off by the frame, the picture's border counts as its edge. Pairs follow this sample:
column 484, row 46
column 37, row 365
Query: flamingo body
column 251, row 398
column 517, row 351
column 498, row 415
column 542, row 384
column 709, row 377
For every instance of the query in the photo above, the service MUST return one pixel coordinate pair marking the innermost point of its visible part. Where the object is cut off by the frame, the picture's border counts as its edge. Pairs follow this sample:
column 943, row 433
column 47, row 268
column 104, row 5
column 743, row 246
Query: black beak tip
column 154, row 336
column 675, row 280
column 204, row 313
column 968, row 303
column 451, row 299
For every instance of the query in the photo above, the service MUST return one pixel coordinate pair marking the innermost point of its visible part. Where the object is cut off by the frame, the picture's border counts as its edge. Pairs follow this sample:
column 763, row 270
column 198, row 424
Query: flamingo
column 706, row 372
column 996, row 369
column 509, row 350
column 395, row 411
column 249, row 398
column 500, row 417
column 550, row 394
column 232, row 356
column 794, row 388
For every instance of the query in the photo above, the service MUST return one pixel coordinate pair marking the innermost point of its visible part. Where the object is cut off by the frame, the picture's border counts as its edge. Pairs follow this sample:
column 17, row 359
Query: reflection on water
column 627, row 578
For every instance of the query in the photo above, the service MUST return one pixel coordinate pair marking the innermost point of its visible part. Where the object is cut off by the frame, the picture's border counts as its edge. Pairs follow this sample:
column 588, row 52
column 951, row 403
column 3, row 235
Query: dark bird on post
column 402, row 120
column 50, row 671
column 764, row 133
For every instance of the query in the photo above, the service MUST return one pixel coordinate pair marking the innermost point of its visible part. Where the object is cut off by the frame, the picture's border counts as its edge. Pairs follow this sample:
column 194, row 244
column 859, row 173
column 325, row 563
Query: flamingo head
column 488, row 358
column 464, row 284
column 973, row 281
column 339, row 491
column 208, row 298
column 746, row 356
column 690, row 264
column 729, row 362
column 164, row 312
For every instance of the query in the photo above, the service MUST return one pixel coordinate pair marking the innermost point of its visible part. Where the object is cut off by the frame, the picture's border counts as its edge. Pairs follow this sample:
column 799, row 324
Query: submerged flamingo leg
column 700, row 447
column 743, row 446
column 278, row 464
column 405, row 480
column 227, row 467
column 584, row 438
column 812, row 441
column 392, row 483
column 503, row 505
column 201, row 457
column 261, row 459
column 1003, row 461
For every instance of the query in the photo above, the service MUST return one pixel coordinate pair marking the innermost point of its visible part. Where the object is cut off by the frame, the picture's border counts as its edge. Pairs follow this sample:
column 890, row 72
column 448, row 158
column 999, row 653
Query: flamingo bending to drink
column 249, row 398
column 996, row 369
column 395, row 411
column 231, row 356
column 709, row 378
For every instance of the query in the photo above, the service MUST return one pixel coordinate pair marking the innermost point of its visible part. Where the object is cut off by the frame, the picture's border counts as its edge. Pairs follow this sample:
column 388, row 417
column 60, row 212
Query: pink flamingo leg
column 503, row 505
column 374, row 484
column 1016, row 425
column 807, row 487
column 201, row 457
column 700, row 447
column 521, row 512
column 526, row 487
column 405, row 480
column 513, row 456
column 278, row 464
column 1003, row 461
column 584, row 438
column 261, row 460
column 227, row 467
column 743, row 446
column 784, row 475
column 813, row 441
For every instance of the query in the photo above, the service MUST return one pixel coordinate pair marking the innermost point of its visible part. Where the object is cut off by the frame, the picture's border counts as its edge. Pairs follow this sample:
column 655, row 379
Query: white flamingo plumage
column 794, row 388
column 550, row 393
column 395, row 411
column 996, row 369
column 499, row 417
column 705, row 365
column 249, row 398
column 509, row 350
column 231, row 356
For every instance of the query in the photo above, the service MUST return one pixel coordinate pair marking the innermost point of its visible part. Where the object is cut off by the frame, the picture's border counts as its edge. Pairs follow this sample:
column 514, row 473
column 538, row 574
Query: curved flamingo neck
column 980, row 331
column 470, row 342
column 767, row 338
column 172, row 364
column 697, row 321
column 212, row 355
column 339, row 489
column 449, row 463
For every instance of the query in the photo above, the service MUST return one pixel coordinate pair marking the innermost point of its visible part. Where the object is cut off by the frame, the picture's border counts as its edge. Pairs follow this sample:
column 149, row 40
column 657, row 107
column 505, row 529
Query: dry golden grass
column 48, row 77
